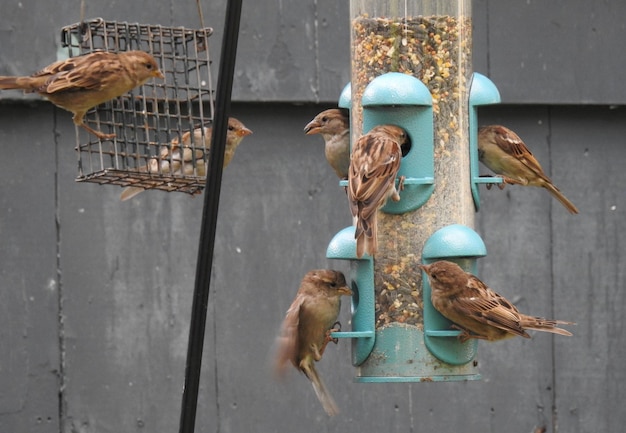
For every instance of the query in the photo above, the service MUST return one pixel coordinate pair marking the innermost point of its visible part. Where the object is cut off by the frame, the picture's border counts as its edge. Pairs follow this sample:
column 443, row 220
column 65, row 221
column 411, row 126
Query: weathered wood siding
column 95, row 294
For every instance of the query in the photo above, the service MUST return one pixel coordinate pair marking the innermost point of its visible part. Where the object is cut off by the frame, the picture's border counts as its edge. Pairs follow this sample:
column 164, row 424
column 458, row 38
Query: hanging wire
column 200, row 14
column 209, row 218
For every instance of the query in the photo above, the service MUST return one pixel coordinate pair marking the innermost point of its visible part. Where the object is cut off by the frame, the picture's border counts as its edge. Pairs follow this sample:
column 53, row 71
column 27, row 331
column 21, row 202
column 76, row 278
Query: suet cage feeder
column 146, row 120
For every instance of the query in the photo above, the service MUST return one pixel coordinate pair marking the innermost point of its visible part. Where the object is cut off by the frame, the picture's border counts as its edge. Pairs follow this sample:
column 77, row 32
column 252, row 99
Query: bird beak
column 244, row 131
column 345, row 290
column 312, row 127
column 423, row 268
column 159, row 74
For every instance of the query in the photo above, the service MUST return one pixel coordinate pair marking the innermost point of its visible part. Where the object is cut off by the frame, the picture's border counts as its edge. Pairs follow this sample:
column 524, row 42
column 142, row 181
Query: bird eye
column 324, row 119
column 231, row 128
column 148, row 66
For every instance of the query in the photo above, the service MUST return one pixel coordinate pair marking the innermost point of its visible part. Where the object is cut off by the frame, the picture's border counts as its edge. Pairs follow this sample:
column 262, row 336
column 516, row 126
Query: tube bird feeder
column 411, row 66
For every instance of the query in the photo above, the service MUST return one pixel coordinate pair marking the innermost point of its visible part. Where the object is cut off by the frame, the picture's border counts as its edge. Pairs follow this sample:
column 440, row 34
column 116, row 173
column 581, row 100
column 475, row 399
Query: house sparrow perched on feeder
column 503, row 152
column 80, row 83
column 305, row 332
column 478, row 311
column 165, row 164
column 334, row 126
column 374, row 166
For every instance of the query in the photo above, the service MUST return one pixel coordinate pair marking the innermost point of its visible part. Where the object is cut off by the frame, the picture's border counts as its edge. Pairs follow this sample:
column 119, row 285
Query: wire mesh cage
column 149, row 122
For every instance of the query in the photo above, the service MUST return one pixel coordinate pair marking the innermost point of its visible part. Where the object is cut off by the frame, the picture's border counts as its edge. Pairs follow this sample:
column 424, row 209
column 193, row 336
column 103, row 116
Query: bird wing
column 512, row 144
column 89, row 72
column 375, row 163
column 486, row 306
column 288, row 340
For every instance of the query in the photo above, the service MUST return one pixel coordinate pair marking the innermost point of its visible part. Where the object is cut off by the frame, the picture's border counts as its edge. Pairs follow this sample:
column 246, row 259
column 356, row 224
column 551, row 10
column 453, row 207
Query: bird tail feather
column 540, row 324
column 130, row 192
column 557, row 194
column 320, row 390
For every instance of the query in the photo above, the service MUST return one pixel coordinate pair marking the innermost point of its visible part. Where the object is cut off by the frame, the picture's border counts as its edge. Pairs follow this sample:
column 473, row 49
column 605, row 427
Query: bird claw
column 401, row 183
column 464, row 335
column 103, row 136
column 335, row 328
column 505, row 181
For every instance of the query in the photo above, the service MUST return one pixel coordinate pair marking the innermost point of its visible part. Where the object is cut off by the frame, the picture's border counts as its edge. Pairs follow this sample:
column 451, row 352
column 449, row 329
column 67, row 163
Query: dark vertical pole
column 209, row 217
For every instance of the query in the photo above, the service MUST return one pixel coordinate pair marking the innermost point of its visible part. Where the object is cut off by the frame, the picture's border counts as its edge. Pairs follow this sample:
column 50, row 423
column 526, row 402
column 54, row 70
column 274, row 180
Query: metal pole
column 209, row 218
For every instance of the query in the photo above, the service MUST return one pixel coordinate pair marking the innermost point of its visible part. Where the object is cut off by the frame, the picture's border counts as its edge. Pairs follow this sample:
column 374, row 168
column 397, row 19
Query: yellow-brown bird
column 305, row 332
column 374, row 165
column 504, row 153
column 334, row 126
column 478, row 311
column 80, row 83
column 192, row 162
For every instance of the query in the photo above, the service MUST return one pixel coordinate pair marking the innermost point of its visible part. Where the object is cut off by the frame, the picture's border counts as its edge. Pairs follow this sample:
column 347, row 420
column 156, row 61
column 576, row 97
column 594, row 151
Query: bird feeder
column 147, row 120
column 411, row 66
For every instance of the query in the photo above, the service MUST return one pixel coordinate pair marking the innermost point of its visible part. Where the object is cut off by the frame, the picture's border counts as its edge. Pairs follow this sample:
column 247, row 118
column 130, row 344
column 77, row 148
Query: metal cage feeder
column 150, row 121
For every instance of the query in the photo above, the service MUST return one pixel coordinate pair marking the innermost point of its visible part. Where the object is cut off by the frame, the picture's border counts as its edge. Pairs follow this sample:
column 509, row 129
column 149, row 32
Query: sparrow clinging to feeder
column 374, row 165
column 191, row 159
column 306, row 329
column 334, row 126
column 80, row 83
column 478, row 311
column 503, row 152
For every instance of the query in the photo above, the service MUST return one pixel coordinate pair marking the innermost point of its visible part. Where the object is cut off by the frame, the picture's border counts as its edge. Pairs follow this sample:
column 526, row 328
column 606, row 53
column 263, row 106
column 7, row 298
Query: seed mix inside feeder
column 149, row 121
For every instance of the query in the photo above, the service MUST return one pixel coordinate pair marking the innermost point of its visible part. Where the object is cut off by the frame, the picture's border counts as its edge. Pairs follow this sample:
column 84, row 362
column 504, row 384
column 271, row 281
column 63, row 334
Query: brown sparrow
column 174, row 165
column 374, row 165
column 334, row 126
column 80, row 83
column 478, row 311
column 504, row 153
column 305, row 332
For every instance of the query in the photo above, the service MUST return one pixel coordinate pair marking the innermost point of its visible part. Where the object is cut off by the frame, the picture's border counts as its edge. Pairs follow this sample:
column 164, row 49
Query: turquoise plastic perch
column 343, row 246
column 482, row 92
column 462, row 245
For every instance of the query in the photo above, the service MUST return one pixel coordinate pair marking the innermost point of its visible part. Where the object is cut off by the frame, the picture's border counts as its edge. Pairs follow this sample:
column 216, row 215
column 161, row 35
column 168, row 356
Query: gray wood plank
column 29, row 289
column 556, row 52
column 552, row 53
column 127, row 275
column 515, row 225
column 588, row 269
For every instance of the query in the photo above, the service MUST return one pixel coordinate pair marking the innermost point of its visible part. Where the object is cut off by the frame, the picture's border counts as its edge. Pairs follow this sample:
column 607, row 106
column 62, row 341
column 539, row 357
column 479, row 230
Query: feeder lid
column 345, row 99
column 343, row 246
column 396, row 88
column 455, row 240
column 483, row 91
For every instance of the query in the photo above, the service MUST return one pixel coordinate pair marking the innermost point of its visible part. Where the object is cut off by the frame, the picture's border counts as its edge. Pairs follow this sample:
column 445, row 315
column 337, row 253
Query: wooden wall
column 95, row 294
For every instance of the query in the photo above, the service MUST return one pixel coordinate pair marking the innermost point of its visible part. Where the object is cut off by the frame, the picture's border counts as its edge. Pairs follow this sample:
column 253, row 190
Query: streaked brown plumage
column 476, row 309
column 164, row 164
column 334, row 126
column 374, row 165
column 504, row 153
column 80, row 83
column 305, row 332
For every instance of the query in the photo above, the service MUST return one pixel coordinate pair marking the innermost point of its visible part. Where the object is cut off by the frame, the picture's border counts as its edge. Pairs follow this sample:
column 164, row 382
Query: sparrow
column 503, row 152
column 374, row 165
column 191, row 159
column 334, row 126
column 306, row 329
column 478, row 311
column 80, row 83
